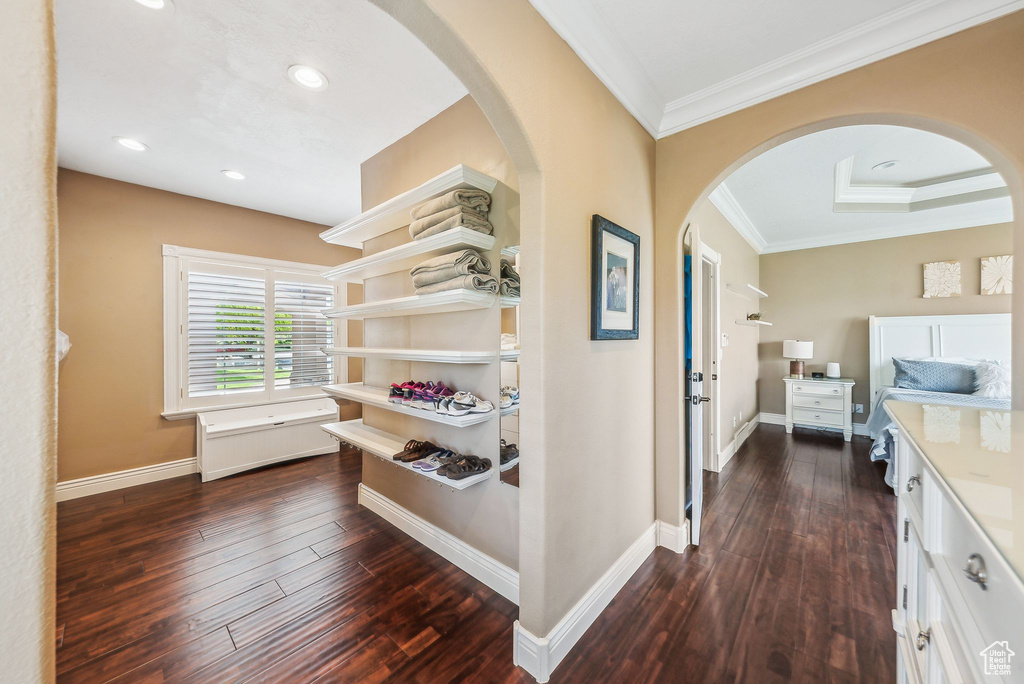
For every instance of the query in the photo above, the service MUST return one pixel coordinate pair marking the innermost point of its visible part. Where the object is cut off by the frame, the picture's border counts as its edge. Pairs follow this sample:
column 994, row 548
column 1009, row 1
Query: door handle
column 696, row 399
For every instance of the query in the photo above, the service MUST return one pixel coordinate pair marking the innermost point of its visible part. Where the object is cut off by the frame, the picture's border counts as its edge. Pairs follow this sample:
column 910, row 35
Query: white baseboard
column 732, row 447
column 780, row 419
column 675, row 538
column 495, row 575
column 108, row 482
column 541, row 655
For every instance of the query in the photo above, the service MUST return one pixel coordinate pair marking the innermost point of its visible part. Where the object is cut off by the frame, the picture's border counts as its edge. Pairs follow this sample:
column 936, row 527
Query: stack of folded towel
column 509, row 279
column 464, row 207
column 455, row 271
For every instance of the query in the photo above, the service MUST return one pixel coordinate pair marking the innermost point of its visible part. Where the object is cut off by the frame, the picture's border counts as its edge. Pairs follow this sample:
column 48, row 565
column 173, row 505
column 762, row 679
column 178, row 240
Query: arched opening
column 1001, row 170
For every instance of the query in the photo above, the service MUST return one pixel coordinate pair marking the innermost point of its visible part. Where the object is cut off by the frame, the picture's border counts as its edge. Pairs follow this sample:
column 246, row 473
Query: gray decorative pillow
column 934, row 376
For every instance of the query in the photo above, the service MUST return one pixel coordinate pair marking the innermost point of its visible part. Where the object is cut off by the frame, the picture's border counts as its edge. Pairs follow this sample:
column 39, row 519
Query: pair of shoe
column 462, row 403
column 508, row 452
column 509, row 396
column 459, row 467
column 418, row 394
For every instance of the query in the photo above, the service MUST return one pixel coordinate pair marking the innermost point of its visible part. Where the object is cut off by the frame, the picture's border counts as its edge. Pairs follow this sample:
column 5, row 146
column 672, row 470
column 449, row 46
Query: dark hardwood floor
column 278, row 575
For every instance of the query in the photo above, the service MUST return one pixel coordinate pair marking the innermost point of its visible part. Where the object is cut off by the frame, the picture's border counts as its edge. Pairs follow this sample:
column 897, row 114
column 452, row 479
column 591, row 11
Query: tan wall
column 28, row 380
column 486, row 515
column 957, row 86
column 586, row 494
column 826, row 295
column 111, row 299
column 737, row 375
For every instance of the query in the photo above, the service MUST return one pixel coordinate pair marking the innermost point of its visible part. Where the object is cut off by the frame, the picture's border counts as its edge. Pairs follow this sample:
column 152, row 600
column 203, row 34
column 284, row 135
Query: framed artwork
column 614, row 282
column 997, row 275
column 942, row 279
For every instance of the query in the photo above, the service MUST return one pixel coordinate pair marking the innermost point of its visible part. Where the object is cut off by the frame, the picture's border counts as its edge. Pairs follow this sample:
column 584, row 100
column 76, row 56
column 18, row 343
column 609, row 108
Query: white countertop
column 979, row 454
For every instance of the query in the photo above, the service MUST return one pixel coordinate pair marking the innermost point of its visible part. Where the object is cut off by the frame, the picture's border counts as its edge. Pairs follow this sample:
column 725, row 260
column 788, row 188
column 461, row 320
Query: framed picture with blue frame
column 614, row 282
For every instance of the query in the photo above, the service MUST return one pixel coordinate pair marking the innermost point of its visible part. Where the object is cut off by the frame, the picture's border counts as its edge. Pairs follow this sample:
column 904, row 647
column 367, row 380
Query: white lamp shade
column 797, row 349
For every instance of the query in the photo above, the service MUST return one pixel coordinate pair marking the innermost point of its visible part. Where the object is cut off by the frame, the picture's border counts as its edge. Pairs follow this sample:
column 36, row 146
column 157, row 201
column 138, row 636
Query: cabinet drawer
column 814, row 417
column 818, row 402
column 994, row 607
column 911, row 475
column 817, row 388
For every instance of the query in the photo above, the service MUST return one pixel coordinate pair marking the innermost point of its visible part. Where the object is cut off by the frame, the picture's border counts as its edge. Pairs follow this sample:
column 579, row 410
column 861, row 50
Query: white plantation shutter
column 243, row 330
column 300, row 332
column 226, row 333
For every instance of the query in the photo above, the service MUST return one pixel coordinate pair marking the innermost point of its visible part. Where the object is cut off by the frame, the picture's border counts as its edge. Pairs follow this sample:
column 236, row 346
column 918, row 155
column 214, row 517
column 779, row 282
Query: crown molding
column 925, row 225
column 581, row 25
column 730, row 207
column 850, row 198
column 614, row 64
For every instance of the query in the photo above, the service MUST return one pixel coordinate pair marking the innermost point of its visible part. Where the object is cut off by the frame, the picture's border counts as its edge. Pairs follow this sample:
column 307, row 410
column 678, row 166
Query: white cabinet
column 820, row 403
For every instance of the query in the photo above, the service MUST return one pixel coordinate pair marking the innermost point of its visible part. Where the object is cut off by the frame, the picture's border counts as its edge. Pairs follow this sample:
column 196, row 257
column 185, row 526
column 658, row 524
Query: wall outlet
column 858, row 408
column 725, row 339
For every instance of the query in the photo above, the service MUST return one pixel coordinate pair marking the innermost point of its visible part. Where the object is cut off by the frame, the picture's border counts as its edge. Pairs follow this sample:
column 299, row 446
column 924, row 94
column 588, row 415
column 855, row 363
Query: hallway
column 279, row 575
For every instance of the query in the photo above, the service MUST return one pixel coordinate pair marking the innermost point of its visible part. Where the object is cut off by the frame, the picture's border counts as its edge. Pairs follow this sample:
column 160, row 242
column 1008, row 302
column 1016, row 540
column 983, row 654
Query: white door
column 695, row 384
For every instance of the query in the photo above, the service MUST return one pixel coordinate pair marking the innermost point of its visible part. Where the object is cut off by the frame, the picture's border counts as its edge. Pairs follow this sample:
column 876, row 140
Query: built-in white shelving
column 396, row 212
column 414, row 305
column 510, row 252
column 386, row 445
column 510, row 465
column 746, row 290
column 378, row 396
column 509, row 302
column 425, row 355
column 407, row 256
column 510, row 354
column 753, row 323
column 509, row 410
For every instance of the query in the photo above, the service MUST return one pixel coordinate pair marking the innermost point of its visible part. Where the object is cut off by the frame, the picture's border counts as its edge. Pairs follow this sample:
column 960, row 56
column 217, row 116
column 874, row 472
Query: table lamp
column 796, row 350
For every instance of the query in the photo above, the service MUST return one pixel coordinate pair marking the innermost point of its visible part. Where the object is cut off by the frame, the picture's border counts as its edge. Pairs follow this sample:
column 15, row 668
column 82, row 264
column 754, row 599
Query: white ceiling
column 678, row 63
column 788, row 197
column 204, row 84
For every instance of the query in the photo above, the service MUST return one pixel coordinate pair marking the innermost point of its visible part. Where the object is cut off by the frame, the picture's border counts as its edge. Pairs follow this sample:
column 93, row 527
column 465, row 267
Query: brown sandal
column 412, row 446
column 467, row 466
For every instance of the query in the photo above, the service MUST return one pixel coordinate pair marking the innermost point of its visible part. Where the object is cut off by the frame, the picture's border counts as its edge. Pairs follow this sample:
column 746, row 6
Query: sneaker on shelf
column 395, row 393
column 410, row 391
column 505, row 400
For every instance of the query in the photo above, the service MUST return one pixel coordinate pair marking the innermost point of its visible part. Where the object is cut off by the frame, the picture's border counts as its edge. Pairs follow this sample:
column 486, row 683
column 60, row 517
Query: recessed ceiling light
column 882, row 166
column 131, row 144
column 307, row 77
column 233, row 175
column 155, row 4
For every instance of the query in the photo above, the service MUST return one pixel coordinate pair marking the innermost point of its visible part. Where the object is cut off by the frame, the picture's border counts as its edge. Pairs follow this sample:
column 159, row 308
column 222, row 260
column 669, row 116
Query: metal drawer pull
column 975, row 570
column 914, row 480
column 835, row 391
column 922, row 639
column 817, row 403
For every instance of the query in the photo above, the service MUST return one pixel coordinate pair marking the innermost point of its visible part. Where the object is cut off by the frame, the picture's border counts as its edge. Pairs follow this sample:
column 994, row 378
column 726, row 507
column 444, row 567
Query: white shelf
column 746, row 290
column 395, row 213
column 425, row 355
column 414, row 305
column 509, row 302
column 386, row 445
column 510, row 355
column 510, row 465
column 508, row 411
column 407, row 256
column 378, row 396
column 510, row 252
column 753, row 323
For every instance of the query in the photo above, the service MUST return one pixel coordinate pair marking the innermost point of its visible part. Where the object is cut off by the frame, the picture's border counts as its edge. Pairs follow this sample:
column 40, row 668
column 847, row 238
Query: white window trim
column 173, row 303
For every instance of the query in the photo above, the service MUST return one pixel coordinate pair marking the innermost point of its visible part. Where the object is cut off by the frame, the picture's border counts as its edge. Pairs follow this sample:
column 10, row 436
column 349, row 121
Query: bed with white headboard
column 962, row 336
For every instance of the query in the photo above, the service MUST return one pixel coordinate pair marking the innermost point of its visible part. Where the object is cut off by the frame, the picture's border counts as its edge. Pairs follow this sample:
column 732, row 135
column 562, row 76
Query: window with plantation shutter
column 241, row 331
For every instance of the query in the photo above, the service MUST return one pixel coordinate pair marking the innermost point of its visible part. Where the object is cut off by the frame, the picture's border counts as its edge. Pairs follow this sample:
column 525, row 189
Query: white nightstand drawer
column 818, row 402
column 817, row 388
column 816, row 417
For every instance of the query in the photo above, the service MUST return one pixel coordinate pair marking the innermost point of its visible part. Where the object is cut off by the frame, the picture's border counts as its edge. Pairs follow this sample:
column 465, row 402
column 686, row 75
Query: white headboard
column 972, row 336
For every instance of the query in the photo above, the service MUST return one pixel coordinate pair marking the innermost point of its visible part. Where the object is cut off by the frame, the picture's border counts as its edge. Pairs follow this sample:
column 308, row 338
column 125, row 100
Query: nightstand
column 820, row 403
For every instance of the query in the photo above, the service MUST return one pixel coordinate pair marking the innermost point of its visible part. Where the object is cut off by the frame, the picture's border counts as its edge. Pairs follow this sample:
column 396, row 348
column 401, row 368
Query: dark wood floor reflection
column 278, row 575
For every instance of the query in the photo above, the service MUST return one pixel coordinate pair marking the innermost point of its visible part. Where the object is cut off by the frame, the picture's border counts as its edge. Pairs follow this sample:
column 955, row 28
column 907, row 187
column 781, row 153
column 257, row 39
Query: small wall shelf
column 510, row 355
column 753, row 324
column 395, row 213
column 413, row 305
column 509, row 302
column 510, row 465
column 424, row 355
column 509, row 410
column 510, row 252
column 407, row 256
column 385, row 445
column 746, row 290
column 378, row 396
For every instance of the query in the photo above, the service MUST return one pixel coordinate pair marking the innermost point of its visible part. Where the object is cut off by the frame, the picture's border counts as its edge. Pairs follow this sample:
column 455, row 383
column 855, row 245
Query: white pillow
column 992, row 380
